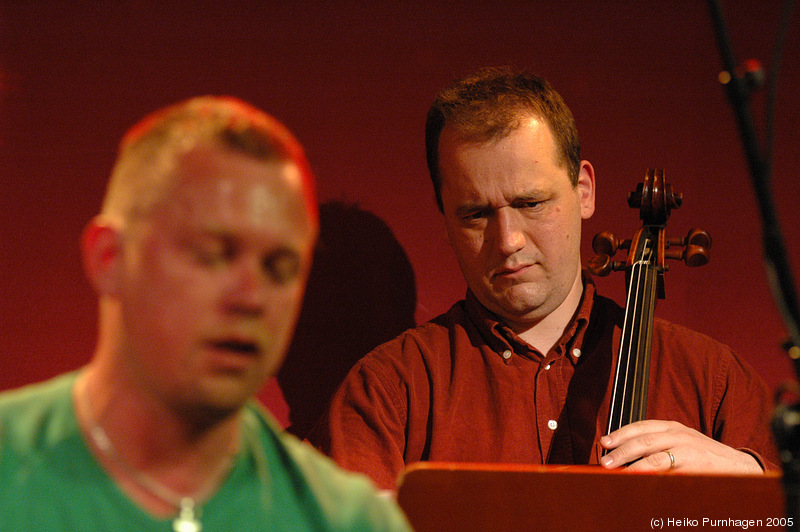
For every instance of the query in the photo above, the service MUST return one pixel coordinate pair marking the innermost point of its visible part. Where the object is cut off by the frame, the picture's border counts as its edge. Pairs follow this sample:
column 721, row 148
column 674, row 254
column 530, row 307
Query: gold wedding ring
column 671, row 459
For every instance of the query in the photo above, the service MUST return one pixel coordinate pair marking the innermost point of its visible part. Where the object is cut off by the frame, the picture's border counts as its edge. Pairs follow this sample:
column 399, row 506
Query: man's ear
column 102, row 258
column 586, row 189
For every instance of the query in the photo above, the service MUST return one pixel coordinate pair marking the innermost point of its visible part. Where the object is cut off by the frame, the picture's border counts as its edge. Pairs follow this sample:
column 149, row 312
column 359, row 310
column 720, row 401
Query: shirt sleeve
column 744, row 412
column 364, row 428
column 345, row 501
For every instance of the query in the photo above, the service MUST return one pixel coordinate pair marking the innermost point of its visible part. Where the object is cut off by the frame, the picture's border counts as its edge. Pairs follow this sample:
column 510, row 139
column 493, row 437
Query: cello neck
column 629, row 396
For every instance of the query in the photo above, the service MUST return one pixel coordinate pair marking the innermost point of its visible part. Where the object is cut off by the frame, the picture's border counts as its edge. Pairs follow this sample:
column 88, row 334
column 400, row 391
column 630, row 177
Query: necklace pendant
column 186, row 520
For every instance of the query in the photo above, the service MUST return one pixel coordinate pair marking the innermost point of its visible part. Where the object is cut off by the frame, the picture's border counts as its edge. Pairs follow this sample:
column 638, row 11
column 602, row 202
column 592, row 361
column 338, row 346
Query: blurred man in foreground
column 200, row 258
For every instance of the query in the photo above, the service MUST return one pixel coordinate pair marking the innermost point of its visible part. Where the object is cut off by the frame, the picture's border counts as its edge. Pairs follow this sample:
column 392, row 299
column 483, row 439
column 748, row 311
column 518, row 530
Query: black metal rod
column 786, row 421
column 779, row 271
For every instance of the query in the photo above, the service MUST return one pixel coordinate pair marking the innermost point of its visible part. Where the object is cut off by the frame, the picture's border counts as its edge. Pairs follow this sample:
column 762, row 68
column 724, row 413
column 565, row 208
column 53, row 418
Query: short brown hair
column 489, row 105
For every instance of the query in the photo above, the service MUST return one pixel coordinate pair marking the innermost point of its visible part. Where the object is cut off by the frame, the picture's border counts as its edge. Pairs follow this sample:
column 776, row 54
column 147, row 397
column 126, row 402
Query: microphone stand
column 739, row 85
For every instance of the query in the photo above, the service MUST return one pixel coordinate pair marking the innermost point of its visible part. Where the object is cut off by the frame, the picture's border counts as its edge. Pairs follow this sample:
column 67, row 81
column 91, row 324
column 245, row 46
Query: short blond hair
column 141, row 176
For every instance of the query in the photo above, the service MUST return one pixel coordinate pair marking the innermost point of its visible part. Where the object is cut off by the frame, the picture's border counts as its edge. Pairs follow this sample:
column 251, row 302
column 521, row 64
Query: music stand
column 499, row 497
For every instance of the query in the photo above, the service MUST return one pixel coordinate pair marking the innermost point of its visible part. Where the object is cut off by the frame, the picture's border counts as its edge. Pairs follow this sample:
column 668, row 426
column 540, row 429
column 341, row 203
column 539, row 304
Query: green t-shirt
column 49, row 479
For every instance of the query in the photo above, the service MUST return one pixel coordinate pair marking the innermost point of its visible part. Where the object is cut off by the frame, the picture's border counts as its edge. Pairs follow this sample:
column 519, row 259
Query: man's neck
column 147, row 440
column 545, row 333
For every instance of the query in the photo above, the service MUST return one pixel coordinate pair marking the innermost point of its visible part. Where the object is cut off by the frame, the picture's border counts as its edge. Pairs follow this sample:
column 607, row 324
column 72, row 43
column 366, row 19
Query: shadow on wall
column 361, row 293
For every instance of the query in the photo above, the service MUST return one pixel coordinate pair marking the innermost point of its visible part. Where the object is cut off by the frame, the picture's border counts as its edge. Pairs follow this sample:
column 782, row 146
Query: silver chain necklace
column 189, row 510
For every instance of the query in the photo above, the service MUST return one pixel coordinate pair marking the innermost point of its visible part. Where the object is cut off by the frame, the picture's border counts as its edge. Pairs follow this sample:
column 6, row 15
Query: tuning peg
column 698, row 237
column 601, row 265
column 605, row 243
column 695, row 245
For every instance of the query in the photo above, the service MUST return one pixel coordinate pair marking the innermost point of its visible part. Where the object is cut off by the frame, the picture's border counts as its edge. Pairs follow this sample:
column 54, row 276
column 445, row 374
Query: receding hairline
column 491, row 104
column 477, row 136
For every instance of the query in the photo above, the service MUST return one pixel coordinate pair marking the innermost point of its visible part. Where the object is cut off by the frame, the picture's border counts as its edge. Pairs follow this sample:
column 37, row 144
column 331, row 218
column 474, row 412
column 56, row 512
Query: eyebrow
column 469, row 208
column 531, row 195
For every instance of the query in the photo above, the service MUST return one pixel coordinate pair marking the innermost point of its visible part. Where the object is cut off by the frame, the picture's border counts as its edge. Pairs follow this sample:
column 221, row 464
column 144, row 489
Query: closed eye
column 282, row 266
column 212, row 251
column 472, row 213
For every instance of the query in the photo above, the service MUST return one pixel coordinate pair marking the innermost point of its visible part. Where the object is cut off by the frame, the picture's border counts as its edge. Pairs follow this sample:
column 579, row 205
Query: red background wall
column 354, row 80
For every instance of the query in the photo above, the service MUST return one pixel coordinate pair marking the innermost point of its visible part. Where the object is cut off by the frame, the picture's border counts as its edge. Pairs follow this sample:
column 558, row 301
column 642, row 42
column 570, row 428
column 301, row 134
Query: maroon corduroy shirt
column 464, row 388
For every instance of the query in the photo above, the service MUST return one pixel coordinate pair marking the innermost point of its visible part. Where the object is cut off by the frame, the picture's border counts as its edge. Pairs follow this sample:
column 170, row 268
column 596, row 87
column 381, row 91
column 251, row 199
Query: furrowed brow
column 469, row 208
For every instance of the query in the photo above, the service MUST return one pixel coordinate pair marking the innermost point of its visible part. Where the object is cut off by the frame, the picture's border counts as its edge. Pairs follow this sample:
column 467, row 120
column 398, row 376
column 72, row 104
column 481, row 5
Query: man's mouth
column 510, row 272
column 240, row 347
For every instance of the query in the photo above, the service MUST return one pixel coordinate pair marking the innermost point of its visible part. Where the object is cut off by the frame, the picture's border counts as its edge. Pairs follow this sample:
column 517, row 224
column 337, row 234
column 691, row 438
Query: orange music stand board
column 508, row 497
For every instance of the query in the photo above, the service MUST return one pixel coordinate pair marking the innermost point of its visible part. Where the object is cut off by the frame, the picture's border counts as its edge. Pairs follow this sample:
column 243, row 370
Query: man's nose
column 509, row 234
column 247, row 292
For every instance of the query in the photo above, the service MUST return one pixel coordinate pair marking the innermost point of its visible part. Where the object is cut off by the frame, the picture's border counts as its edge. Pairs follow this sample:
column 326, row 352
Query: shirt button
column 507, row 354
column 552, row 424
column 547, row 366
column 576, row 352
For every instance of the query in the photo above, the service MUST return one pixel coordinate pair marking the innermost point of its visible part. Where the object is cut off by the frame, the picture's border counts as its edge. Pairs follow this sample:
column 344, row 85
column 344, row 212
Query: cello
column 644, row 271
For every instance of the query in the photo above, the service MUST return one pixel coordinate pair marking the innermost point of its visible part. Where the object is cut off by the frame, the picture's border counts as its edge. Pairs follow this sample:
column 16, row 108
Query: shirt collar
column 499, row 337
